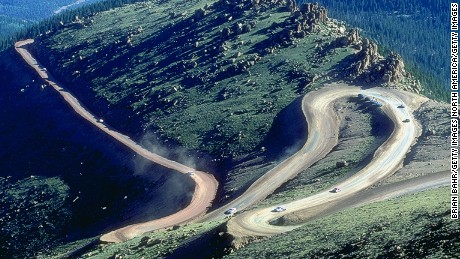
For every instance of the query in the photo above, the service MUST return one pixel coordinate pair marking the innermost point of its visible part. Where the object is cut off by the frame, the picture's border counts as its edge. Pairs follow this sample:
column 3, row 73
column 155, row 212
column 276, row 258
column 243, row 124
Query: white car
column 190, row 173
column 336, row 190
column 279, row 209
column 230, row 211
column 100, row 121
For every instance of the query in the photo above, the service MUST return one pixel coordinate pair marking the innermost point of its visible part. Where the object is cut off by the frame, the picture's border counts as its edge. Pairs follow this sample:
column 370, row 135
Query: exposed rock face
column 362, row 61
column 302, row 21
column 368, row 66
column 389, row 70
column 393, row 69
column 350, row 39
column 309, row 14
column 367, row 57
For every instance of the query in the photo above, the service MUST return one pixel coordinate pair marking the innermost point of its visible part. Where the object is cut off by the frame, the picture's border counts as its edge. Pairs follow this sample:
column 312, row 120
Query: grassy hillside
column 211, row 77
column 414, row 226
column 46, row 201
column 61, row 179
column 222, row 80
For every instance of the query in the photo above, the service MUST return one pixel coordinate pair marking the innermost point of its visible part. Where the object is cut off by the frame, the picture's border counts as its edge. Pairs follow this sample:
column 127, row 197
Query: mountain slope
column 209, row 77
column 57, row 166
column 223, row 80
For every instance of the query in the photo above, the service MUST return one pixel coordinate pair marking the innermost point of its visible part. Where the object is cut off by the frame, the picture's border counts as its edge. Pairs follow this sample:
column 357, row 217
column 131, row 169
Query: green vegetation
column 26, row 19
column 15, row 16
column 218, row 78
column 141, row 74
column 416, row 29
column 33, row 212
column 413, row 226
column 209, row 77
column 158, row 244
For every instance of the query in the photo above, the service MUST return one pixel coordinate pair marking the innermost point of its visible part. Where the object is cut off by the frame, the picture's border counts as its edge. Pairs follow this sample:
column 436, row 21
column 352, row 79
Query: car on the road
column 230, row 211
column 279, row 209
column 401, row 106
column 100, row 121
column 406, row 120
column 336, row 190
column 190, row 173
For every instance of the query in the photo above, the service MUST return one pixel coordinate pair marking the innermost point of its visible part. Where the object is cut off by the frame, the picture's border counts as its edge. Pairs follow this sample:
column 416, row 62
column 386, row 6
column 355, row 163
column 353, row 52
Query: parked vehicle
column 336, row 190
column 279, row 209
column 230, row 211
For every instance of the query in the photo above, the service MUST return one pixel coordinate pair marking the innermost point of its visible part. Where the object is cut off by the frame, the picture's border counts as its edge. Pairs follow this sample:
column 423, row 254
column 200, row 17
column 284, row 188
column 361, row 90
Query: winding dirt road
column 387, row 159
column 205, row 184
column 323, row 128
column 322, row 137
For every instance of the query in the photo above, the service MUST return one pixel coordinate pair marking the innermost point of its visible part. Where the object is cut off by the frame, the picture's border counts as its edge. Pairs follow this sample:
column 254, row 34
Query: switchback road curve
column 322, row 137
column 205, row 184
column 323, row 126
column 387, row 159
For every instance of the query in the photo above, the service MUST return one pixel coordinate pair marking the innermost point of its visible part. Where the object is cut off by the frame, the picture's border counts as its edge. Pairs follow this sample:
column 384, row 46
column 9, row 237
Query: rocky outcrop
column 302, row 21
column 367, row 56
column 237, row 29
column 388, row 70
column 308, row 15
column 352, row 38
column 360, row 63
column 369, row 67
column 393, row 69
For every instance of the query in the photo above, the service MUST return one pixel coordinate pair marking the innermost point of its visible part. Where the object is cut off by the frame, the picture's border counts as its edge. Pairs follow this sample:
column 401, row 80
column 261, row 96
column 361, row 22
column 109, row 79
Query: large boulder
column 341, row 163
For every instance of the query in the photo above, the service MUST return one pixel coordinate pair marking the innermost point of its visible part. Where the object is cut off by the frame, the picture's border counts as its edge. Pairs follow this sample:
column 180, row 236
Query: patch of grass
column 413, row 226
column 63, row 250
column 33, row 213
column 154, row 245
